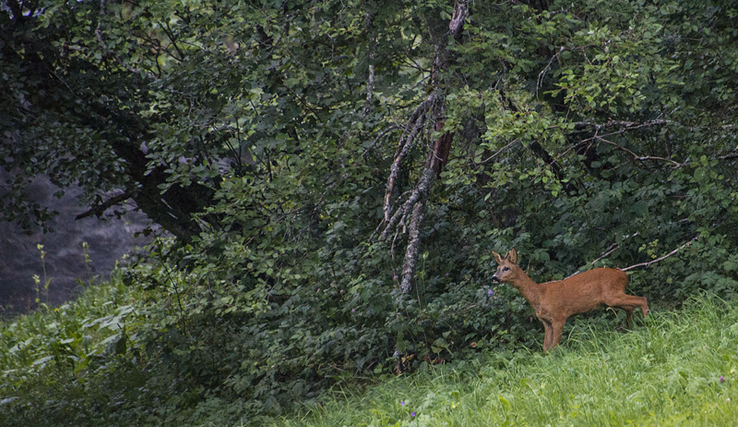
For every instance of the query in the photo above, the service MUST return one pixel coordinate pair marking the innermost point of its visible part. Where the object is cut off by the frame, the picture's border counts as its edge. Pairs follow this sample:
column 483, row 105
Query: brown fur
column 555, row 302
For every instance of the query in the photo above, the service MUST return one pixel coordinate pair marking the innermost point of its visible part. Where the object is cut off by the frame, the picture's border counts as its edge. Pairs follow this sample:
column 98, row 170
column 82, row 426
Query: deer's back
column 585, row 291
column 610, row 278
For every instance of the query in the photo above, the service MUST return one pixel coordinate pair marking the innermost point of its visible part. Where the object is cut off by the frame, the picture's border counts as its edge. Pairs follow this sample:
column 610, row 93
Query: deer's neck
column 531, row 290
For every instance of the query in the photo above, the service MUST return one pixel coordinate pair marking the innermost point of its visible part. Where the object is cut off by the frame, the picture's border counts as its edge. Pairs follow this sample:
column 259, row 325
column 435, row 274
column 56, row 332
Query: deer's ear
column 497, row 256
column 512, row 256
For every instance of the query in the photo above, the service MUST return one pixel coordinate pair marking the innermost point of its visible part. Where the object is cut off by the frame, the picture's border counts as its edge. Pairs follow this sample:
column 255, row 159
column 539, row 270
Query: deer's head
column 507, row 268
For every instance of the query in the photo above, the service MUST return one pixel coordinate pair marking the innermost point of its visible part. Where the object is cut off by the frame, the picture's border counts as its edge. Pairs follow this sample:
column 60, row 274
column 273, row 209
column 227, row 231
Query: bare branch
column 421, row 110
column 624, row 124
column 605, row 254
column 501, row 150
column 406, row 142
column 434, row 163
column 636, row 156
column 394, row 239
column 101, row 208
column 422, row 190
column 727, row 157
column 615, row 246
column 378, row 138
column 574, row 146
column 413, row 246
column 415, row 196
column 645, row 264
column 391, row 223
column 542, row 74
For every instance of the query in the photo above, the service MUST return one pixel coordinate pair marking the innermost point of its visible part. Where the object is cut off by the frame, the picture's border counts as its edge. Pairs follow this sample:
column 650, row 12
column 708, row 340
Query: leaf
column 42, row 361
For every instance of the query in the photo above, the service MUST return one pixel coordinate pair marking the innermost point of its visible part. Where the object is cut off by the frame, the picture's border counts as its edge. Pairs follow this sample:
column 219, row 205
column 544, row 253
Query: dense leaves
column 264, row 136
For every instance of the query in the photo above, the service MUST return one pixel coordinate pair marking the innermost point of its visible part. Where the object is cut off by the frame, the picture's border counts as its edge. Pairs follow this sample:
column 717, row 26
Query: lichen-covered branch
column 395, row 168
column 416, row 122
column 413, row 246
column 461, row 12
column 369, row 93
column 102, row 207
column 422, row 190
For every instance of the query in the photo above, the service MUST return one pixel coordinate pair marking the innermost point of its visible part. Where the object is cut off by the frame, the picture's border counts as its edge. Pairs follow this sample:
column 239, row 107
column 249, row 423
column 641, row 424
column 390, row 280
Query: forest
column 327, row 181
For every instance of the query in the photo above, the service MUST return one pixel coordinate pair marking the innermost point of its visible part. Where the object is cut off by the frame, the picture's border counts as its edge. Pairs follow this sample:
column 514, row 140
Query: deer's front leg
column 548, row 334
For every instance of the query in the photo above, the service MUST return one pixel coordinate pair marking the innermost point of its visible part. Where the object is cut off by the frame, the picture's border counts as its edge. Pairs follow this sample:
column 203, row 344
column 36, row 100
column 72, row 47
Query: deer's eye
column 505, row 268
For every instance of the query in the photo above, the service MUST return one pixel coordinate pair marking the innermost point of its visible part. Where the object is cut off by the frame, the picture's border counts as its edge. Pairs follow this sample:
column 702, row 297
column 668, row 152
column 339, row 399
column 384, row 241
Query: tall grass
column 680, row 369
column 48, row 356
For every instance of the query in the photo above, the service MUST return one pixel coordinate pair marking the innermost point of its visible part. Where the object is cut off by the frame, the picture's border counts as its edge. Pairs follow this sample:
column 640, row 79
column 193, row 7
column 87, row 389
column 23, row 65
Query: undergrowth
column 56, row 362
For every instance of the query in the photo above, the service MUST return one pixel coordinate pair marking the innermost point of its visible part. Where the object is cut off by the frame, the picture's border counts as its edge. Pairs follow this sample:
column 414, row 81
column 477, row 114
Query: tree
column 74, row 112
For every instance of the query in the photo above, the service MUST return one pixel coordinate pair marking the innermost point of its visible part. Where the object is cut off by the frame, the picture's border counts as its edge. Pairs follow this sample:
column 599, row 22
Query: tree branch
column 406, row 142
column 607, row 253
column 626, row 125
column 413, row 245
column 542, row 74
column 437, row 156
column 461, row 12
column 501, row 150
column 378, row 138
column 636, row 156
column 645, row 264
column 101, row 208
column 395, row 168
column 415, row 196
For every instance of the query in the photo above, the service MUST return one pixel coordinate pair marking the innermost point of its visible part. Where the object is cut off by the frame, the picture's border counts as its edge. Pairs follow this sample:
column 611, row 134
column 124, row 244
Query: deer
column 554, row 302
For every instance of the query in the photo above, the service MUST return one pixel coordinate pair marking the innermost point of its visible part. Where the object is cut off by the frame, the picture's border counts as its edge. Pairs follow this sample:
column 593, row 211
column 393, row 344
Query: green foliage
column 585, row 134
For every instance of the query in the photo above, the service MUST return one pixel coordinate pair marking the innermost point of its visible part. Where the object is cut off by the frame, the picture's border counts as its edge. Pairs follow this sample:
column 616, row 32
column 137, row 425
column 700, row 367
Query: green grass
column 664, row 374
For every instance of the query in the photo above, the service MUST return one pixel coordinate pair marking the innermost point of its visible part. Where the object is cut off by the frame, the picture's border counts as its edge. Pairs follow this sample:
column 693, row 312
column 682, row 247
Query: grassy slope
column 667, row 373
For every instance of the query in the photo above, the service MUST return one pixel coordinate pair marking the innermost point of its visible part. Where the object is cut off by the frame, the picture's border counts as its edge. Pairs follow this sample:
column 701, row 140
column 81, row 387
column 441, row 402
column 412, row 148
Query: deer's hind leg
column 629, row 303
column 557, row 327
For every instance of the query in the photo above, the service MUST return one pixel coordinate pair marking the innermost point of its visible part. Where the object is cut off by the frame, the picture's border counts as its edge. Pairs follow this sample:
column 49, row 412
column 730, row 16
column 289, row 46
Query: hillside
column 81, row 364
column 678, row 370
